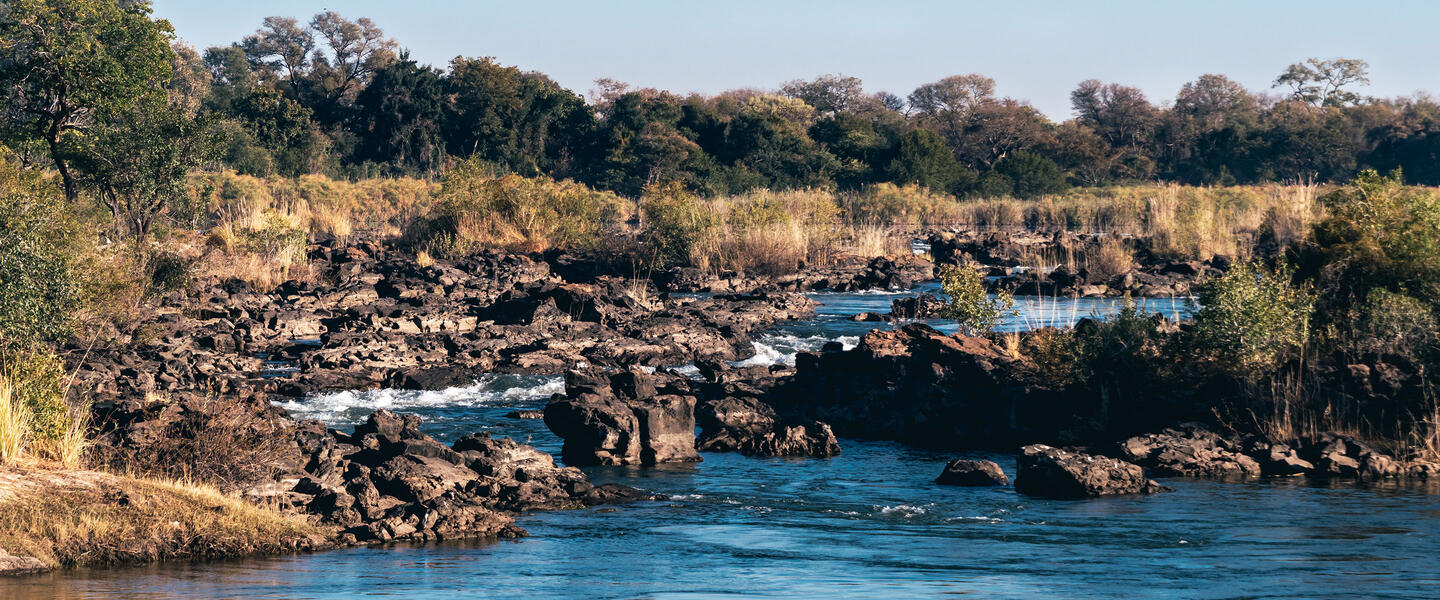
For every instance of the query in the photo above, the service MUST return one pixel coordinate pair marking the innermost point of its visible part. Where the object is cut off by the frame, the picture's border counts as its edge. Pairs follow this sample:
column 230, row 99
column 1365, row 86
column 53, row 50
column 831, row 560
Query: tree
column 400, row 113
column 70, row 64
column 949, row 105
column 1119, row 114
column 521, row 120
column 922, row 158
column 289, row 53
column 827, row 94
column 138, row 162
column 1323, row 82
column 1032, row 175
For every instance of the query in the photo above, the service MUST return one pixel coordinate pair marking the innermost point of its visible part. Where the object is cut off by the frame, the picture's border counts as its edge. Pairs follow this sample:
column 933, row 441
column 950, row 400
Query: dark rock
column 1190, row 450
column 972, row 473
column 751, row 427
column 1055, row 473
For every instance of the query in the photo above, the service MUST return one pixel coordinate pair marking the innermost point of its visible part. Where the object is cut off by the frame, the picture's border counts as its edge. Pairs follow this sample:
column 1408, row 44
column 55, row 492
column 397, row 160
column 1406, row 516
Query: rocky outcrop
column 751, row 427
column 620, row 420
column 11, row 565
column 388, row 481
column 382, row 320
column 1190, row 450
column 1054, row 473
column 846, row 274
column 919, row 386
column 972, row 473
column 924, row 306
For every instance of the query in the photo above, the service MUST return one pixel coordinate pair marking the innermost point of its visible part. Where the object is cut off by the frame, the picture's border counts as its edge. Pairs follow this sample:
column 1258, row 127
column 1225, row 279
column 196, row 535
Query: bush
column 1379, row 235
column 42, row 258
column 677, row 226
column 1395, row 324
column 1032, row 175
column 475, row 210
column 973, row 308
column 1252, row 319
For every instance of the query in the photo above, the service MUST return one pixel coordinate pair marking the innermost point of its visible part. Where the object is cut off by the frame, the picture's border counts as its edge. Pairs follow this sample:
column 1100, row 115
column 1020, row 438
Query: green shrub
column 677, row 225
column 38, row 381
column 973, row 308
column 1252, row 319
column 170, row 271
column 42, row 258
column 1379, row 235
column 1395, row 324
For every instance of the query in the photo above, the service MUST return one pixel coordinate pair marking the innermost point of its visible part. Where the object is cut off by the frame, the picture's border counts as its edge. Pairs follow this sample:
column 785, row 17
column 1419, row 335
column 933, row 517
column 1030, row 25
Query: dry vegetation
column 71, row 518
column 256, row 229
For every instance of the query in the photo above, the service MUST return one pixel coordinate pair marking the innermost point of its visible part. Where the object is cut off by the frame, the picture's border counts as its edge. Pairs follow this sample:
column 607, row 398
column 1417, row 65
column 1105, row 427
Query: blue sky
column 1035, row 50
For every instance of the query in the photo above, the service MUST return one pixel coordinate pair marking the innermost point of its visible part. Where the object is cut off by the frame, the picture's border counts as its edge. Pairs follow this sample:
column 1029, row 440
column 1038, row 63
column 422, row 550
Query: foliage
column 1252, row 320
column 676, row 224
column 42, row 259
column 1393, row 324
column 37, row 381
column 1031, row 175
column 474, row 209
column 969, row 304
column 73, row 62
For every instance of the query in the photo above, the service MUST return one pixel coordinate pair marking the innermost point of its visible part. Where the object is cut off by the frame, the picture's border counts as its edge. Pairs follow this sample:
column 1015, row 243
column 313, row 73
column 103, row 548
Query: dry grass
column 70, row 518
column 14, row 424
column 1107, row 258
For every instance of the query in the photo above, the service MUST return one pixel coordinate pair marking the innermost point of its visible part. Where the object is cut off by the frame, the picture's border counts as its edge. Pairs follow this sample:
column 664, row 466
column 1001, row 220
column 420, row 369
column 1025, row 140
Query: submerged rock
column 1054, row 473
column 973, row 473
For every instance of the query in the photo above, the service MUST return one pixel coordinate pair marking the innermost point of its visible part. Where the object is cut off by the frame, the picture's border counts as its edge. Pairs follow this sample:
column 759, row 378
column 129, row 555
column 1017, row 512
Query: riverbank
column 56, row 518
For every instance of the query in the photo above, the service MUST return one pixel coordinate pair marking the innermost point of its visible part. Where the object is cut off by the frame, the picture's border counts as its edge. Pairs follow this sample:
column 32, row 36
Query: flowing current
column 867, row 524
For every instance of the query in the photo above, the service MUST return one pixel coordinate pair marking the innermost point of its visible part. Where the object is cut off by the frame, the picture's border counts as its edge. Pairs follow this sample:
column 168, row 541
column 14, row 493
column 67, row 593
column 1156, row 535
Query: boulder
column 974, row 473
column 1054, row 473
column 1190, row 450
column 620, row 420
column 751, row 427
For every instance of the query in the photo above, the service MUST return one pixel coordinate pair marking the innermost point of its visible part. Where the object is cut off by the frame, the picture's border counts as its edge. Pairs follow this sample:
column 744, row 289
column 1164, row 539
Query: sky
column 1036, row 51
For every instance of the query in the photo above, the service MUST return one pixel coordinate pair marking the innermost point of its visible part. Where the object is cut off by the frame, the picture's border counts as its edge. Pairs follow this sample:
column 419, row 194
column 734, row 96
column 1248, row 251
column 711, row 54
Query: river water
column 867, row 524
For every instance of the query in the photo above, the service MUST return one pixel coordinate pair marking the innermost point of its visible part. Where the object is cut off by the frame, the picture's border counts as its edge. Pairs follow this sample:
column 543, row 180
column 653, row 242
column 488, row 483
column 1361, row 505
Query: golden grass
column 14, row 423
column 70, row 518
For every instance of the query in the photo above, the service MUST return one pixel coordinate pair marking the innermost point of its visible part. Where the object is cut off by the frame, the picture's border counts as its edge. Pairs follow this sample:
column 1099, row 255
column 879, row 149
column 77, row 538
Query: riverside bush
column 967, row 302
column 42, row 258
column 1252, row 319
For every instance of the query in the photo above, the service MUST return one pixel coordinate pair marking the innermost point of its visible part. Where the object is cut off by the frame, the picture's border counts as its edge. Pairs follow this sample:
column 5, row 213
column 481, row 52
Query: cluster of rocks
column 909, row 308
column 382, row 319
column 1050, row 472
column 1011, row 259
column 848, row 273
column 1194, row 450
column 633, row 417
column 389, row 481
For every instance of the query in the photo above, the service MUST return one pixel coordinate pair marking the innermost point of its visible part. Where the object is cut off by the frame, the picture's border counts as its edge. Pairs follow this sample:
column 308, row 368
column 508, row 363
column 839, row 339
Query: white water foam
column 350, row 407
column 781, row 348
column 903, row 510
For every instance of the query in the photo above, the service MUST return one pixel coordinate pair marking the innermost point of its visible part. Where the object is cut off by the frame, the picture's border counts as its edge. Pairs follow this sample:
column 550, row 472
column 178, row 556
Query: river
column 867, row 524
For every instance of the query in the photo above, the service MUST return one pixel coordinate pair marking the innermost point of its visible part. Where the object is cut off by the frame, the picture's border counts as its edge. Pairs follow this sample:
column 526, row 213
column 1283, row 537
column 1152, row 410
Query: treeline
column 335, row 96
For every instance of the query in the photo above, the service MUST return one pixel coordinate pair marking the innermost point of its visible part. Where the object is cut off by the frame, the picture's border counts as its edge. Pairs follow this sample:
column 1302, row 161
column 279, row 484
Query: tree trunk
column 53, row 138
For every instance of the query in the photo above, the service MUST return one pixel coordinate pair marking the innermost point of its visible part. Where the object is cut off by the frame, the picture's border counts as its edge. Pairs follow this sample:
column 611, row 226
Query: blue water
column 867, row 524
